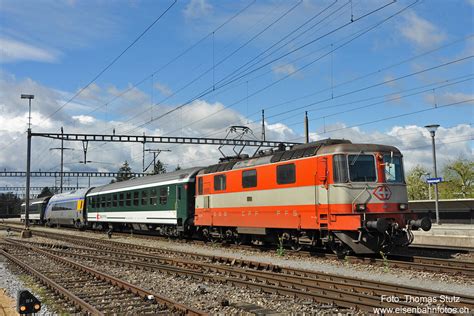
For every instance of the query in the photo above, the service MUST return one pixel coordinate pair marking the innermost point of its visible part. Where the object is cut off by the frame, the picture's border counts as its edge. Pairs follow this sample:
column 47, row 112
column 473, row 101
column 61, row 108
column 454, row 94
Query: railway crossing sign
column 434, row 180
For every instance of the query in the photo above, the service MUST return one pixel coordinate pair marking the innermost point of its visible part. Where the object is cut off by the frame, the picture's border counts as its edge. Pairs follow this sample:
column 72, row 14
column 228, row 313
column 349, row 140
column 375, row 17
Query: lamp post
column 432, row 129
column 27, row 233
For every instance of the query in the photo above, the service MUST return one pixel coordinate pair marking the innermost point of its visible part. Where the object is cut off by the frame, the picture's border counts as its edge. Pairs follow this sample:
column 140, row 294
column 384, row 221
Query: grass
column 280, row 250
column 386, row 267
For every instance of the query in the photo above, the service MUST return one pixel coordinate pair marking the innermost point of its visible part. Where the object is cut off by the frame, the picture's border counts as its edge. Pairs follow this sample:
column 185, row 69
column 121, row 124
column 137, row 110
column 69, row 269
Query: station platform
column 446, row 235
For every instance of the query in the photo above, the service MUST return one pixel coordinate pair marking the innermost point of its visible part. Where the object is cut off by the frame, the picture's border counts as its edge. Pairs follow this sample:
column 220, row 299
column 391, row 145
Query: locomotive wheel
column 296, row 246
column 339, row 249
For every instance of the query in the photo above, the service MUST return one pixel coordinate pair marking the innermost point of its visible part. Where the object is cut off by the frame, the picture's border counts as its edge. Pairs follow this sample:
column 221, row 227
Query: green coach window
column 102, row 201
column 153, row 195
column 128, row 199
column 163, row 196
column 135, row 198
column 114, row 200
column 144, row 197
column 121, row 200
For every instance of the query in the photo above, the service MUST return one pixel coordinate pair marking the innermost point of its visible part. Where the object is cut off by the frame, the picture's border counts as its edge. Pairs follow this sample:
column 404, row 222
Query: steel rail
column 78, row 302
column 412, row 263
column 170, row 304
column 302, row 280
column 271, row 284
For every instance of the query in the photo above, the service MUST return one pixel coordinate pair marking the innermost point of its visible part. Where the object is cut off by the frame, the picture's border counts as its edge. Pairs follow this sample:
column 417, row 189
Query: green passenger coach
column 162, row 203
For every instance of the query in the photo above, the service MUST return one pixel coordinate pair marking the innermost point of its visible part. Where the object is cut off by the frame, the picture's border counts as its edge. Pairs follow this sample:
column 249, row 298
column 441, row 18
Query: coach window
column 109, row 200
column 153, row 195
column 199, row 186
column 92, row 202
column 219, row 182
column 102, row 201
column 114, row 200
column 121, row 199
column 249, row 178
column 144, row 197
column 135, row 198
column 286, row 174
column 341, row 175
column 163, row 196
column 179, row 193
column 128, row 199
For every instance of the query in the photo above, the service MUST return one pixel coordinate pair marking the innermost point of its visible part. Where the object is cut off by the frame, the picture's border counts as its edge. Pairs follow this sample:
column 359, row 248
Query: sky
column 371, row 71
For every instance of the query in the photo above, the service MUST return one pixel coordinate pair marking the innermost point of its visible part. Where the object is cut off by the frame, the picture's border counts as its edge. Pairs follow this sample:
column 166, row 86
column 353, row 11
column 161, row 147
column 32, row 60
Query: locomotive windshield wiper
column 356, row 157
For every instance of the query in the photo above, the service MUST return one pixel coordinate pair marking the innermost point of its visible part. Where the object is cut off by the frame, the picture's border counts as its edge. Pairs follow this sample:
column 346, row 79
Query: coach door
column 322, row 193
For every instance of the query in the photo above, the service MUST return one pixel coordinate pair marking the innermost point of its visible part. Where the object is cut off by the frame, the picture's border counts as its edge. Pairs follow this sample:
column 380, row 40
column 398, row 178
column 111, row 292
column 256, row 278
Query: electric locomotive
column 333, row 193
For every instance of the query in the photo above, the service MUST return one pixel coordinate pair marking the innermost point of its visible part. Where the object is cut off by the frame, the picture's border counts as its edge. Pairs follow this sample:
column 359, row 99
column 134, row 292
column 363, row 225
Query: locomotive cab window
column 219, row 182
column 286, row 174
column 393, row 169
column 249, row 178
column 362, row 168
column 341, row 174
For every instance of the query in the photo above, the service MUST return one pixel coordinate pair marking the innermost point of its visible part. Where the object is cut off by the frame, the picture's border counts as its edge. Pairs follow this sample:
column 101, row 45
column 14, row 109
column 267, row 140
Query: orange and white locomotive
column 332, row 193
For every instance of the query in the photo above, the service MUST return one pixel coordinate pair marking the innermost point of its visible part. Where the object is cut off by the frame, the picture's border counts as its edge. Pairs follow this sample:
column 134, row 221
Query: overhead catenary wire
column 284, row 77
column 184, row 52
column 110, row 64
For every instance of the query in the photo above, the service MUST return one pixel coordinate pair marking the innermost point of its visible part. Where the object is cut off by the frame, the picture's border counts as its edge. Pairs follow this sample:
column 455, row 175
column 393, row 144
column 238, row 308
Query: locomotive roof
column 183, row 175
column 37, row 200
column 76, row 194
column 325, row 146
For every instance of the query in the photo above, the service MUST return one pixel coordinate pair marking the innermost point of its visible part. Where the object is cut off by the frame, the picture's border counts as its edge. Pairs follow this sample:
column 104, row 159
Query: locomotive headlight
column 403, row 206
column 361, row 207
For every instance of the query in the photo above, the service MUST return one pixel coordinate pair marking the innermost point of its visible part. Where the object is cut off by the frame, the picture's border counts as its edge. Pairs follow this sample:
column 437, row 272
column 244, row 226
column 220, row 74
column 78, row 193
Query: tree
column 458, row 179
column 416, row 186
column 10, row 204
column 159, row 168
column 124, row 173
column 45, row 192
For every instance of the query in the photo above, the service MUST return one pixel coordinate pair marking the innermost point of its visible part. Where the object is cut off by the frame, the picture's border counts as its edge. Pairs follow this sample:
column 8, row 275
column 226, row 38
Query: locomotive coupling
column 423, row 223
column 381, row 225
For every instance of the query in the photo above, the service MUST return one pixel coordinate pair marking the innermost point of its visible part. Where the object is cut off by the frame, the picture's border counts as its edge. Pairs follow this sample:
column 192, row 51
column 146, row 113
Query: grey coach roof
column 179, row 175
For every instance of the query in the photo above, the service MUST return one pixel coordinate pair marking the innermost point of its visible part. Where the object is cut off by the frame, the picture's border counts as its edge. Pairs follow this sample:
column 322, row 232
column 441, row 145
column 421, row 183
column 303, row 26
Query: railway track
column 418, row 263
column 87, row 290
column 324, row 288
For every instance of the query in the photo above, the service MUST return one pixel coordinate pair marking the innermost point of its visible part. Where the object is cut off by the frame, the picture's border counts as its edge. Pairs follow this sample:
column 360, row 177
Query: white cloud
column 84, row 119
column 286, row 69
column 449, row 98
column 197, row 9
column 422, row 33
column 164, row 90
column 14, row 51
